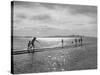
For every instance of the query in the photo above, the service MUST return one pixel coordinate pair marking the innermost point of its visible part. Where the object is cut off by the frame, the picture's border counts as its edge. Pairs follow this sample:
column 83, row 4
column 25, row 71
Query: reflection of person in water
column 32, row 47
column 62, row 41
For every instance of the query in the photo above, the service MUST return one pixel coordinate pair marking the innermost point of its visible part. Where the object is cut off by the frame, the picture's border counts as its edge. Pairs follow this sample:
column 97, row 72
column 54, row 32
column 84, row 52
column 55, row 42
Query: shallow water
column 21, row 43
column 62, row 59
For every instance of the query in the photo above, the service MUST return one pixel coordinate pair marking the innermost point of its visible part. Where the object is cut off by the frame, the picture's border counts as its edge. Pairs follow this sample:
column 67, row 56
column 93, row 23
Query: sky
column 49, row 19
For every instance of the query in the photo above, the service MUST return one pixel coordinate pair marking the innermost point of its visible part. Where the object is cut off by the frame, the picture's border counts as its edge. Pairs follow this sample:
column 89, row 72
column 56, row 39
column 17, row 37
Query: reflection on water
column 42, row 61
column 57, row 62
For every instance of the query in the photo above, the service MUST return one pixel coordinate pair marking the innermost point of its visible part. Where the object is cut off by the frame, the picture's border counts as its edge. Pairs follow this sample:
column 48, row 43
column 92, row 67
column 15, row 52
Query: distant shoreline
column 53, row 36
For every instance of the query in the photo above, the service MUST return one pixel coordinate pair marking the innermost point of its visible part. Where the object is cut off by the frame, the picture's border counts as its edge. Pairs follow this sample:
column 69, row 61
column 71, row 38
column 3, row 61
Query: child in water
column 31, row 45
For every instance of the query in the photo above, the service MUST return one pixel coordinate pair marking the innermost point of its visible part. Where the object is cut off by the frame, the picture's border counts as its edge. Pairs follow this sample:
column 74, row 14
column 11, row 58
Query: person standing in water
column 81, row 40
column 33, row 48
column 29, row 46
column 62, row 41
column 33, row 43
column 75, row 42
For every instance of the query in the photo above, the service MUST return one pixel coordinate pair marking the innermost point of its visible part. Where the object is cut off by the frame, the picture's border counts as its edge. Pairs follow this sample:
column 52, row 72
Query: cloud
column 61, row 17
column 42, row 17
column 21, row 16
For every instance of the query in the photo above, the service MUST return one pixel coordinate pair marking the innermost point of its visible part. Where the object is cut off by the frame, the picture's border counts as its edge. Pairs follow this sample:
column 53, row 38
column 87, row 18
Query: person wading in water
column 81, row 40
column 62, row 41
column 33, row 43
column 75, row 42
column 29, row 46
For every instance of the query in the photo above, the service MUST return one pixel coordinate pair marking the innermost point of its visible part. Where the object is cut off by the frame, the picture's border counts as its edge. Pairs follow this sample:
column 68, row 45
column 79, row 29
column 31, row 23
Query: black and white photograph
column 52, row 37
